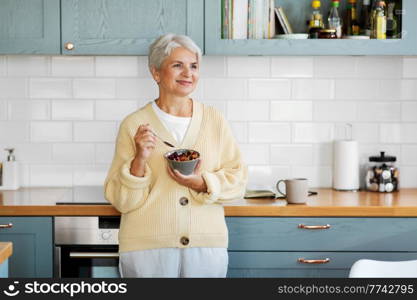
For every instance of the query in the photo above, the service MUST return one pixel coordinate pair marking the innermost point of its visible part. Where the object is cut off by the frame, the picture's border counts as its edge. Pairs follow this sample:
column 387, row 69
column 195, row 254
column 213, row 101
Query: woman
column 173, row 225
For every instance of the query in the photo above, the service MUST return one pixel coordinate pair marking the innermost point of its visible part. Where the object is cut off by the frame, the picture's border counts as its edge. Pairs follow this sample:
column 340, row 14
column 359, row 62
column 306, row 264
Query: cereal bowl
column 183, row 160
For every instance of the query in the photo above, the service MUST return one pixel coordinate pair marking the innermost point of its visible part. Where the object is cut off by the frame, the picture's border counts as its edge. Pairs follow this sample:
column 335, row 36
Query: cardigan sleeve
column 228, row 182
column 123, row 190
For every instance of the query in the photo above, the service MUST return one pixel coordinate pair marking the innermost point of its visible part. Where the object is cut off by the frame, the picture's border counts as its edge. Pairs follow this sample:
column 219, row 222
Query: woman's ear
column 155, row 74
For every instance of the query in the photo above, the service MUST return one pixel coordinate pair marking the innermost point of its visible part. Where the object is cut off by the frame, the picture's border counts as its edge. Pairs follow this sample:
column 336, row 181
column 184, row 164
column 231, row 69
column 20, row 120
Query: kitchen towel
column 345, row 165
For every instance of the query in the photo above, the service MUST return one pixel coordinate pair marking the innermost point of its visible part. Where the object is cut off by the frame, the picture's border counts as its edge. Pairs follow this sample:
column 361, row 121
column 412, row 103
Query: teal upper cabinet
column 126, row 27
column 297, row 12
column 29, row 26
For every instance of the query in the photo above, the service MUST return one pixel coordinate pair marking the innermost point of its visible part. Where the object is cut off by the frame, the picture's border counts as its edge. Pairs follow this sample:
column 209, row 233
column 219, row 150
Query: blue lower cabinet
column 287, row 264
column 4, row 269
column 32, row 239
column 275, row 246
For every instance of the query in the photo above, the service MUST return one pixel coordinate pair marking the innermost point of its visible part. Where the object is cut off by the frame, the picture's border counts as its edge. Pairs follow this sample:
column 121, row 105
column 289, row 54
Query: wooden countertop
column 6, row 250
column 42, row 202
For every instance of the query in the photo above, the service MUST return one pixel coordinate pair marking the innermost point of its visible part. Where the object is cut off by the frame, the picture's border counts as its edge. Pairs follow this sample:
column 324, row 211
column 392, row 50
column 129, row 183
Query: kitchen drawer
column 285, row 264
column 32, row 246
column 344, row 234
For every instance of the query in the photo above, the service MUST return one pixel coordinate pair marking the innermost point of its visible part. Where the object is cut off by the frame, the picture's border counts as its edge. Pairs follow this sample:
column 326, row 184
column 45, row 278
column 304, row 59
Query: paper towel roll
column 345, row 165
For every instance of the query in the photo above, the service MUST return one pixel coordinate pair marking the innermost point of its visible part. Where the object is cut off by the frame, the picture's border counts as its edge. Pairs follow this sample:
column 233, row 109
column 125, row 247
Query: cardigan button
column 185, row 241
column 183, row 201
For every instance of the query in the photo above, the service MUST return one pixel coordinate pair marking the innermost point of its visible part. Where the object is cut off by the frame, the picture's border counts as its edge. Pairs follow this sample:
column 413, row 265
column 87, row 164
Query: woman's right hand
column 145, row 142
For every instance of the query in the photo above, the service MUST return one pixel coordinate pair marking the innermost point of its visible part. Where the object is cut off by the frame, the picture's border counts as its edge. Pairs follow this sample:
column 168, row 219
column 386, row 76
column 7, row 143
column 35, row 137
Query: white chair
column 378, row 269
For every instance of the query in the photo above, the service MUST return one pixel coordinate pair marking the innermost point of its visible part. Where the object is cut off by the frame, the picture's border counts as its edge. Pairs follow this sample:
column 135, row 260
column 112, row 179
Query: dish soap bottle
column 9, row 172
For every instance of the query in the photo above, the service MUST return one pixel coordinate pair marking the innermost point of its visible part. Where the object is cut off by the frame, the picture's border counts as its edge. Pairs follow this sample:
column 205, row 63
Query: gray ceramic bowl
column 184, row 167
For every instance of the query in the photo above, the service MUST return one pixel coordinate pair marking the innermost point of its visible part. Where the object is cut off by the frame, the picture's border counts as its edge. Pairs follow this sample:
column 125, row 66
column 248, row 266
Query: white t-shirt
column 177, row 126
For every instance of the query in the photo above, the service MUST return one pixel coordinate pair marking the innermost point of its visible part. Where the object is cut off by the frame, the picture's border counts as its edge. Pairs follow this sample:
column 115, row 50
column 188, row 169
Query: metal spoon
column 165, row 142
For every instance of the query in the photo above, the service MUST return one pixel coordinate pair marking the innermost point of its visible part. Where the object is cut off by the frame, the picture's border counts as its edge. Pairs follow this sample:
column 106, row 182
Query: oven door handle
column 93, row 255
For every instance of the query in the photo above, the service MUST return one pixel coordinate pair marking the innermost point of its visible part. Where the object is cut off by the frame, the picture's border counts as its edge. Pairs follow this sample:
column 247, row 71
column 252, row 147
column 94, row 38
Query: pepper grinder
column 9, row 172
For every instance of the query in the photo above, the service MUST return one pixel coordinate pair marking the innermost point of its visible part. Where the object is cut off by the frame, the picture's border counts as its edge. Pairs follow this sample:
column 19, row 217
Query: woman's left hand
column 194, row 181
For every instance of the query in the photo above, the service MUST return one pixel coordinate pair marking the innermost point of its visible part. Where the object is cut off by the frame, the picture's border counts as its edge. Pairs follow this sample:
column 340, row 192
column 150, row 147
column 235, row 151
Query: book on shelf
column 240, row 19
column 283, row 20
column 227, row 14
column 247, row 19
column 271, row 20
column 251, row 19
column 259, row 19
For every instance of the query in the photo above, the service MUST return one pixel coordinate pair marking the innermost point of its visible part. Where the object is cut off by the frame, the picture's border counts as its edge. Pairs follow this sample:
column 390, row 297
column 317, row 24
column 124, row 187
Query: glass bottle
column 316, row 20
column 399, row 14
column 392, row 28
column 365, row 23
column 352, row 25
column 372, row 18
column 380, row 21
column 335, row 22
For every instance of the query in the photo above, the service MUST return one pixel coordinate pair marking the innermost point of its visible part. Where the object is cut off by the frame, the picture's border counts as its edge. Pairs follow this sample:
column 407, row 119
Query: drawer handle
column 94, row 255
column 10, row 225
column 314, row 261
column 302, row 226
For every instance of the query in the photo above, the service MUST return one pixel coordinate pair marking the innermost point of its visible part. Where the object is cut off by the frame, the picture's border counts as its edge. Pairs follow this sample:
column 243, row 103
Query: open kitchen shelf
column 298, row 11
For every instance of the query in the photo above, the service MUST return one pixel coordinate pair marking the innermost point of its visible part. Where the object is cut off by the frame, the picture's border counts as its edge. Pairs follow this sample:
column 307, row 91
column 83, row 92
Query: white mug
column 296, row 190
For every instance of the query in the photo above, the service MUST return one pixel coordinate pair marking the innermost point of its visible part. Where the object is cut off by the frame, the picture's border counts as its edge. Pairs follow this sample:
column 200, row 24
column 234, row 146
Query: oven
column 86, row 247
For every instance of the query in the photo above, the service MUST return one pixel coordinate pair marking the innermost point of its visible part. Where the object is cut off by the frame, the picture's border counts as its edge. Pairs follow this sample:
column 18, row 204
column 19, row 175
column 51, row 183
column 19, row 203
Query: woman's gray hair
column 162, row 47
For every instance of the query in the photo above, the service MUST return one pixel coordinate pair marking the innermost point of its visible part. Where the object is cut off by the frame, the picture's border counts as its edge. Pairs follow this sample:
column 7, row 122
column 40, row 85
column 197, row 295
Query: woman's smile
column 185, row 82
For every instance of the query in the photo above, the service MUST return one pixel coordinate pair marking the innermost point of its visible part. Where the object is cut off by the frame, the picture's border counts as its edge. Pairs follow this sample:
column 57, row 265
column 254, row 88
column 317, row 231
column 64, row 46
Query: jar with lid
column 382, row 174
column 327, row 34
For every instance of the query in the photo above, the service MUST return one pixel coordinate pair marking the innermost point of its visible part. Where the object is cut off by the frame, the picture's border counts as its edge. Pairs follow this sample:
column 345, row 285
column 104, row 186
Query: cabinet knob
column 302, row 226
column 69, row 46
column 314, row 261
column 10, row 225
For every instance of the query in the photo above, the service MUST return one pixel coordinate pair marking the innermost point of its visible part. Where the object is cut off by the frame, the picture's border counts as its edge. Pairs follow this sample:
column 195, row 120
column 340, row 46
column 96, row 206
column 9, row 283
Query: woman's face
column 179, row 72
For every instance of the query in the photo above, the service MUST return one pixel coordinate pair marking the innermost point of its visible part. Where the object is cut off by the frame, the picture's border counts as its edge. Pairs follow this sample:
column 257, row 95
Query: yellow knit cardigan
column 152, row 214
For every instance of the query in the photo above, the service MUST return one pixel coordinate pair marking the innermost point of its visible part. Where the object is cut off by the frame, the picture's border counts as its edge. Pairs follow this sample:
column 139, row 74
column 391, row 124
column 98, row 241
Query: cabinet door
column 214, row 45
column 343, row 234
column 286, row 264
column 127, row 27
column 29, row 26
column 32, row 246
column 4, row 269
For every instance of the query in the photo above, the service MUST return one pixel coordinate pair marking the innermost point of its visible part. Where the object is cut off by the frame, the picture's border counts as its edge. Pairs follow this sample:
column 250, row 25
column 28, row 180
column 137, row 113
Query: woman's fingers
column 197, row 168
column 144, row 134
column 170, row 172
column 143, row 128
column 147, row 143
column 146, row 137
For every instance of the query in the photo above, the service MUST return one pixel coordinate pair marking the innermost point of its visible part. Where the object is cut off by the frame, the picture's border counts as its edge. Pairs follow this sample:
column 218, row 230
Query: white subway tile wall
column 62, row 113
column 72, row 110
column 255, row 67
column 3, row 110
column 292, row 67
column 94, row 88
column 75, row 66
column 113, row 66
column 29, row 110
column 3, row 69
column 28, row 66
